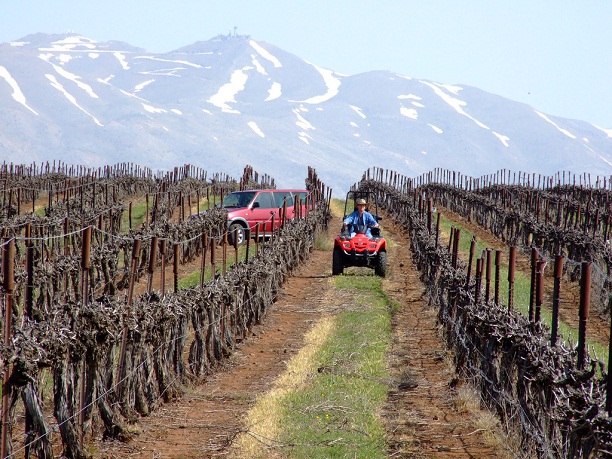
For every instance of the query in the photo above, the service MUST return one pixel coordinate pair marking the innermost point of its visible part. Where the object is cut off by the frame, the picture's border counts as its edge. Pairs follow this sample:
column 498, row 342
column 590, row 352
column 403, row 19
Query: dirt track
column 424, row 416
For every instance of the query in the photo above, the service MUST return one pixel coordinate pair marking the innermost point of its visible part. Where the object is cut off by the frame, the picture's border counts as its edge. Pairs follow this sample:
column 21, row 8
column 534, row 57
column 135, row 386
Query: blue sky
column 553, row 55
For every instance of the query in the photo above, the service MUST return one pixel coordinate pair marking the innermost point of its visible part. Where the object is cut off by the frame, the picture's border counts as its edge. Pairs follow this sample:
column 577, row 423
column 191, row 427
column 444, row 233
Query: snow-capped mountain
column 230, row 101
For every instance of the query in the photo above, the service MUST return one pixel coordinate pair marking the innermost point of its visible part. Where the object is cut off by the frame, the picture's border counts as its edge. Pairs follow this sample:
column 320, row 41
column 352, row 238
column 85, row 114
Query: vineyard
column 99, row 331
column 549, row 392
column 85, row 353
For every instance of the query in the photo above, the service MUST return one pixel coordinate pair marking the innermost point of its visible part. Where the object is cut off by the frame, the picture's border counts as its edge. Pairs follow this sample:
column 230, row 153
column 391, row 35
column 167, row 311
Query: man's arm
column 349, row 220
column 371, row 221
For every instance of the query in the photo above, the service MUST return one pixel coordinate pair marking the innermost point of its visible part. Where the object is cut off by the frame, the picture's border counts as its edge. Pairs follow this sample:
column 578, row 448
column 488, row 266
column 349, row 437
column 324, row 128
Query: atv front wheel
column 337, row 262
column 380, row 268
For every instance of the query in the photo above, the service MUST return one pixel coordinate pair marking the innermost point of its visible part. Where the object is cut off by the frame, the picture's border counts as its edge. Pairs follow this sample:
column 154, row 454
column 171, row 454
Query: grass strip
column 335, row 413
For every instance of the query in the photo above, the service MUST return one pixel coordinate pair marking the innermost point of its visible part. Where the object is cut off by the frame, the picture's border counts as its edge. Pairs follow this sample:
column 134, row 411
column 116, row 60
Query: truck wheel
column 381, row 264
column 235, row 231
column 337, row 262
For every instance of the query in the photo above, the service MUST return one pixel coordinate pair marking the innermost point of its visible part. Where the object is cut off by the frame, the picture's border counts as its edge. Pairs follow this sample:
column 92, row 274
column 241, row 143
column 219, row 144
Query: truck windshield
column 238, row 199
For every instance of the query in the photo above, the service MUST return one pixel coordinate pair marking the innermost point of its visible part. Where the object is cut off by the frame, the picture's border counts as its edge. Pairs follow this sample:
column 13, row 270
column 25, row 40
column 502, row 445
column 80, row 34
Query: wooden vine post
column 532, row 291
column 488, row 276
column 470, row 261
column 554, row 326
column 609, row 376
column 539, row 289
column 257, row 226
column 121, row 367
column 479, row 269
column 85, row 267
column 8, row 270
column 175, row 269
column 162, row 279
column 212, row 258
column 585, row 300
column 152, row 263
column 456, row 247
column 224, row 253
column 29, row 289
column 437, row 228
column 498, row 255
column 235, row 241
column 511, row 268
column 429, row 214
column 203, row 263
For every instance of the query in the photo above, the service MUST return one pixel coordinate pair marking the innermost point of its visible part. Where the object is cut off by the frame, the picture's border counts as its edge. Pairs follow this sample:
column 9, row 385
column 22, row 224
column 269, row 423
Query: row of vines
column 540, row 390
column 83, row 355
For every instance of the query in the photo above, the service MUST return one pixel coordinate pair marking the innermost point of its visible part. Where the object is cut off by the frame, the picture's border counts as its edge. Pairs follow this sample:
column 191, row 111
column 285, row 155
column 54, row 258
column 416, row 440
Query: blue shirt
column 365, row 220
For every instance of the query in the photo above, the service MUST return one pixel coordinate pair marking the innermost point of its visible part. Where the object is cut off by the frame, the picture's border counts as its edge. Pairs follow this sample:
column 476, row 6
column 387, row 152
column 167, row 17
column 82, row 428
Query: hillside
column 231, row 100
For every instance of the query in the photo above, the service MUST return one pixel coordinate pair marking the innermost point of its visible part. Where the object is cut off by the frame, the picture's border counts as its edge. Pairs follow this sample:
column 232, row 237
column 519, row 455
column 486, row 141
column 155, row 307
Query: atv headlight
column 372, row 245
column 346, row 245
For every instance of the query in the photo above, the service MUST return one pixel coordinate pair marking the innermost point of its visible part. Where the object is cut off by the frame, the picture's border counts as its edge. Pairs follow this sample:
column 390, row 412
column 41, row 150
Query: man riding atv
column 360, row 242
column 359, row 218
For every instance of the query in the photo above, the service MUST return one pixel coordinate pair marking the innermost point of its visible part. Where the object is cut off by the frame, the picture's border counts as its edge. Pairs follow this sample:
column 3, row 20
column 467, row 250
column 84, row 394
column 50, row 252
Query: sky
column 553, row 55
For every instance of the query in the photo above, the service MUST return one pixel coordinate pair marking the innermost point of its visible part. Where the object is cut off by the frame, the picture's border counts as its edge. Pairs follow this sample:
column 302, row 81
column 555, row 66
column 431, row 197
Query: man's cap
column 360, row 201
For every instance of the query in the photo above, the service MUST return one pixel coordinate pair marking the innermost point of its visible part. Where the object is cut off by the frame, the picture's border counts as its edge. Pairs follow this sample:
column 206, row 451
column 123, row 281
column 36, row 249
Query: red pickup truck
column 245, row 209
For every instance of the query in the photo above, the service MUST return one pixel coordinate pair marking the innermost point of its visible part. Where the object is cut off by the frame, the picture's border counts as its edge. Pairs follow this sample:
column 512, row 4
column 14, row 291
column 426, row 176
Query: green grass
column 193, row 279
column 335, row 415
column 522, row 286
column 139, row 211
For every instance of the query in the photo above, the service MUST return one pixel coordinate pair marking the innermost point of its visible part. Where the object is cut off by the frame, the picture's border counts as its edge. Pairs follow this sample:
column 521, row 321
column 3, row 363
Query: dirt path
column 425, row 417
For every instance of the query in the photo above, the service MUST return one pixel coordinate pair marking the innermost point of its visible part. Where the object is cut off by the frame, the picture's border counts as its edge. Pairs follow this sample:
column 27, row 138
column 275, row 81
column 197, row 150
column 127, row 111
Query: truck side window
column 302, row 195
column 279, row 197
column 265, row 200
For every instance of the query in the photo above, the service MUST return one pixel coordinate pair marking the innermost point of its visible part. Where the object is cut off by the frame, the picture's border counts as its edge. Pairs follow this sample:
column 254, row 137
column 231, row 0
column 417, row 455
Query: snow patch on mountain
column 502, row 138
column 174, row 61
column 358, row 111
column 607, row 131
column 139, row 87
column 17, row 94
column 253, row 125
column 332, row 84
column 302, row 122
column 228, row 91
column 265, row 54
column 274, row 92
column 76, row 79
column 121, row 58
column 564, row 131
column 57, row 85
column 409, row 112
column 455, row 103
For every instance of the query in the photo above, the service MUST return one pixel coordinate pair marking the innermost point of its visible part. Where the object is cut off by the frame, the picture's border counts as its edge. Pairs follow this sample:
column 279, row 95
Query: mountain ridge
column 229, row 101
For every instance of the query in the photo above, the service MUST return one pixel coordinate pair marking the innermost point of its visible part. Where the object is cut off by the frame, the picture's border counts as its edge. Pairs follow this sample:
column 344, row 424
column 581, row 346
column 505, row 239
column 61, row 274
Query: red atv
column 360, row 245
